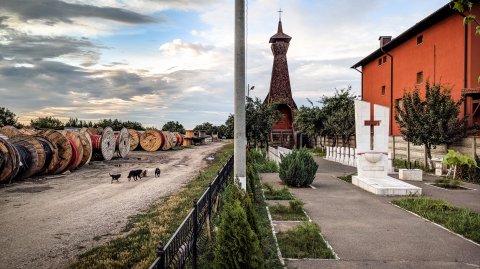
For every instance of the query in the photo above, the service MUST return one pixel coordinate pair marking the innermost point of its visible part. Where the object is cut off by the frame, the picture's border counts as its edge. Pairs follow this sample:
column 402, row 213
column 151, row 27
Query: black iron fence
column 183, row 243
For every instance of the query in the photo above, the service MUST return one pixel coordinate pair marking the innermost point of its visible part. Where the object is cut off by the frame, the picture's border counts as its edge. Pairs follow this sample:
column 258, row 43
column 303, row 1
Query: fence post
column 195, row 234
column 161, row 254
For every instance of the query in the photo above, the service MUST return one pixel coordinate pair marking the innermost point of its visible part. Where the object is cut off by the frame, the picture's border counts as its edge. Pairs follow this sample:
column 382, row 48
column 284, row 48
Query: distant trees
column 335, row 118
column 432, row 120
column 260, row 119
column 173, row 126
column 115, row 124
column 7, row 117
column 206, row 126
column 75, row 122
column 47, row 123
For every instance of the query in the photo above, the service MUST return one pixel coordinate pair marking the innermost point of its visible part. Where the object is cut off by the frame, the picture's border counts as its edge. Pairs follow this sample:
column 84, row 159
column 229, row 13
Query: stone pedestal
column 411, row 174
column 438, row 166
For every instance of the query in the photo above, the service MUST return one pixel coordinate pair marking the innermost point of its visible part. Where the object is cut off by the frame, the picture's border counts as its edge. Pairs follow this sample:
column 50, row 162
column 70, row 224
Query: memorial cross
column 372, row 124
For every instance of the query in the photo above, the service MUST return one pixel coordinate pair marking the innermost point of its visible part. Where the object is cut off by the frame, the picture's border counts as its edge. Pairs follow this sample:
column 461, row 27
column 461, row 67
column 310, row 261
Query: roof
column 280, row 36
column 421, row 26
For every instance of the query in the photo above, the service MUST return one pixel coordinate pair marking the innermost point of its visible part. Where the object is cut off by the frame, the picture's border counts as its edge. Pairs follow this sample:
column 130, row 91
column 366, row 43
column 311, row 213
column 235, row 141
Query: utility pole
column 239, row 146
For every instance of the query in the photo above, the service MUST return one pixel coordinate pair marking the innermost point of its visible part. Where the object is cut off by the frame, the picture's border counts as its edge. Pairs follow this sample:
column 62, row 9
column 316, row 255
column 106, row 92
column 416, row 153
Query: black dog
column 115, row 177
column 136, row 174
column 157, row 172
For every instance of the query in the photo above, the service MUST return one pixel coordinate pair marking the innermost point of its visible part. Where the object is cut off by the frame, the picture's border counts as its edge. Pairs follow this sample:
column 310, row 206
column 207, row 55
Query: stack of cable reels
column 31, row 155
column 27, row 131
column 175, row 141
column 168, row 141
column 87, row 147
column 103, row 145
column 122, row 142
column 179, row 138
column 77, row 149
column 9, row 162
column 152, row 140
column 134, row 139
column 62, row 151
column 9, row 131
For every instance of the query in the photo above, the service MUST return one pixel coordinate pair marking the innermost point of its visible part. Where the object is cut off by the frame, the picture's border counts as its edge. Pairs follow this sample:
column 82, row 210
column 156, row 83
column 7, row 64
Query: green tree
column 431, row 121
column 7, row 117
column 339, row 111
column 173, row 126
column 47, row 123
column 229, row 127
column 133, row 125
column 309, row 120
column 237, row 245
column 298, row 169
column 206, row 126
column 260, row 119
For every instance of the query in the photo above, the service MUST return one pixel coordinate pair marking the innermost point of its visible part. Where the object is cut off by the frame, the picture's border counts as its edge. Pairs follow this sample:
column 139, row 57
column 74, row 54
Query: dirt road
column 46, row 223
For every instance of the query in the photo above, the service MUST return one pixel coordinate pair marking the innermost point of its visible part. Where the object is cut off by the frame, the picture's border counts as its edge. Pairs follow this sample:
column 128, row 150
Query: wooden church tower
column 280, row 93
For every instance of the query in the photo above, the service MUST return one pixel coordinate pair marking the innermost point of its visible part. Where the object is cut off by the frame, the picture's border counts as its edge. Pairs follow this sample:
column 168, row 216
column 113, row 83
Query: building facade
column 438, row 49
column 280, row 92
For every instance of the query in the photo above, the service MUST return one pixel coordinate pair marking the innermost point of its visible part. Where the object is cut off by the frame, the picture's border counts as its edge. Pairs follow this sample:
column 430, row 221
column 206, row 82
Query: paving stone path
column 366, row 231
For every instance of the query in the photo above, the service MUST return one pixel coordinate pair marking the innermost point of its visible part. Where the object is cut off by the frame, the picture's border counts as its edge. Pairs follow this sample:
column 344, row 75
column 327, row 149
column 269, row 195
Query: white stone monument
column 372, row 153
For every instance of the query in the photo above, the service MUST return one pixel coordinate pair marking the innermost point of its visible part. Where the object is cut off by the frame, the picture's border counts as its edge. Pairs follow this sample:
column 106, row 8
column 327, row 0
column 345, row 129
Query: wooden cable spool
column 27, row 131
column 37, row 153
column 151, row 140
column 77, row 149
column 168, row 140
column 28, row 157
column 122, row 142
column 9, row 131
column 100, row 130
column 62, row 151
column 104, row 145
column 134, row 139
column 175, row 141
column 179, row 138
column 48, row 150
column 9, row 162
column 87, row 147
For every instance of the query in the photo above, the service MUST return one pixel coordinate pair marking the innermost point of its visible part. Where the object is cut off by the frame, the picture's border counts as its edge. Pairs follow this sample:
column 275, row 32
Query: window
column 380, row 61
column 383, row 90
column 384, row 59
column 419, row 77
column 399, row 103
column 419, row 39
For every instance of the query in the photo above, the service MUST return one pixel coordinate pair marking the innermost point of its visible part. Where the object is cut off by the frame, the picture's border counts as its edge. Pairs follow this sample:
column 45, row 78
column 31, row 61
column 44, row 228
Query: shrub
column 298, row 168
column 237, row 245
column 268, row 166
column 277, row 194
column 456, row 159
column 470, row 173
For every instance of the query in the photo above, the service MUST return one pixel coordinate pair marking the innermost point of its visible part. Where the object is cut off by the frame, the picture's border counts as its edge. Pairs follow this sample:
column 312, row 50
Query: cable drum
column 168, row 140
column 87, row 147
column 152, row 140
column 62, row 151
column 134, row 139
column 27, row 161
column 179, row 138
column 37, row 152
column 175, row 141
column 77, row 149
column 104, row 145
column 9, row 164
column 9, row 131
column 122, row 142
column 48, row 150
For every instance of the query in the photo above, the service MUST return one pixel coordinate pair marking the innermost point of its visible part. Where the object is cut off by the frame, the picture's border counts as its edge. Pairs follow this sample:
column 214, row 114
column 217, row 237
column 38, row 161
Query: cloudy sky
column 159, row 60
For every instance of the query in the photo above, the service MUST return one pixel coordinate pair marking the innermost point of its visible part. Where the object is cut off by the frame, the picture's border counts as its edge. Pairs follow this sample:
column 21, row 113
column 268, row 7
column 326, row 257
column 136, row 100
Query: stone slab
column 387, row 186
column 410, row 174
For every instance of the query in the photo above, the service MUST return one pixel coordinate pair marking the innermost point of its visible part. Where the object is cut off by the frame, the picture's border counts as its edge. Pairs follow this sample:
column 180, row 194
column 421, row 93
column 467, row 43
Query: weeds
column 460, row 220
column 294, row 211
column 448, row 183
column 277, row 194
column 304, row 241
column 347, row 178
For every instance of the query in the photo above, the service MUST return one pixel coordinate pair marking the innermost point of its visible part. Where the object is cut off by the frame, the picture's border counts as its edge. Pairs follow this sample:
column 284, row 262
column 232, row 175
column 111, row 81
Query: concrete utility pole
column 239, row 167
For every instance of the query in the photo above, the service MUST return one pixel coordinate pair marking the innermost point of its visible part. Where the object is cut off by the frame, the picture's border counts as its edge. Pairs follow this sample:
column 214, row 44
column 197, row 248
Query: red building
column 280, row 92
column 440, row 49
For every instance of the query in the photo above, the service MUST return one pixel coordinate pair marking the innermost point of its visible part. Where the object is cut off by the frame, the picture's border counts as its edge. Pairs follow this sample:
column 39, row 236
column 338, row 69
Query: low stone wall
column 344, row 155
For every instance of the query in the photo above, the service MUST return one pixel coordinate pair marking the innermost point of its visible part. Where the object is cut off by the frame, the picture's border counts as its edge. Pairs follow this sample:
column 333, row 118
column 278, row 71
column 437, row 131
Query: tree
column 206, row 126
column 173, row 126
column 229, row 127
column 431, row 121
column 339, row 111
column 133, row 125
column 309, row 120
column 260, row 119
column 7, row 117
column 46, row 123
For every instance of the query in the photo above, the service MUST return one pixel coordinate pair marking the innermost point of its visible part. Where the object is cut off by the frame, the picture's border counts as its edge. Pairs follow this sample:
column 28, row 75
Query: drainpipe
column 391, row 90
column 465, row 66
column 361, row 86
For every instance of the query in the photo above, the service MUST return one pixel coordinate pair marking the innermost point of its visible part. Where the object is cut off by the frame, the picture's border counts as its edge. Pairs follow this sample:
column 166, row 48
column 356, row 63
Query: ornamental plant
column 298, row 168
column 455, row 159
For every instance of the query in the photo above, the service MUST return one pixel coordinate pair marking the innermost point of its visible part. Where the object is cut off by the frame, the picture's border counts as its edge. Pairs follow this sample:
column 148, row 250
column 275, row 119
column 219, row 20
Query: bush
column 276, row 194
column 298, row 168
column 268, row 166
column 237, row 245
column 470, row 173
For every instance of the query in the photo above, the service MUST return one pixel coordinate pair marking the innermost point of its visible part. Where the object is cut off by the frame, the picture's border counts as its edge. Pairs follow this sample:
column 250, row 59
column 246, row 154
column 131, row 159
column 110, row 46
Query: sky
column 155, row 61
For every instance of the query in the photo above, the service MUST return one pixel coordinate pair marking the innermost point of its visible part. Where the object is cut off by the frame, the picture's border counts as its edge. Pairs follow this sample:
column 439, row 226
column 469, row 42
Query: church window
column 419, row 39
column 420, row 77
column 383, row 90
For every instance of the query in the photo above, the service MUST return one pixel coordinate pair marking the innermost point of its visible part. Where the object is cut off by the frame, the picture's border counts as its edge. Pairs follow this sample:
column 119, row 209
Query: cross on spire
column 280, row 14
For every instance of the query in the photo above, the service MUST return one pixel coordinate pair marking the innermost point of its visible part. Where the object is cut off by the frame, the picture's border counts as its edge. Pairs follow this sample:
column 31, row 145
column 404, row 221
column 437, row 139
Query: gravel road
column 46, row 222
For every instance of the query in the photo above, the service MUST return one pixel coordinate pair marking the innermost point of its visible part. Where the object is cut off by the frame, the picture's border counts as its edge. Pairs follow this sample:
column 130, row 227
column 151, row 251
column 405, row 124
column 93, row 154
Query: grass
column 304, row 241
column 459, row 220
column 276, row 194
column 137, row 248
column 448, row 183
column 317, row 152
column 294, row 211
column 401, row 164
column 347, row 178
column 267, row 166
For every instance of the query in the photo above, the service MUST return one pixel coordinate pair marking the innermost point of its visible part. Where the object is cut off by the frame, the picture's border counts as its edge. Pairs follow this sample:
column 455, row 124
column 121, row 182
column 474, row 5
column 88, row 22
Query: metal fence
column 183, row 243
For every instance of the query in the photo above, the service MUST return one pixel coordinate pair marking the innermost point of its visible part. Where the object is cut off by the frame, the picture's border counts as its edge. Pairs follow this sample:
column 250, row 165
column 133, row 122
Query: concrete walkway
column 366, row 231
